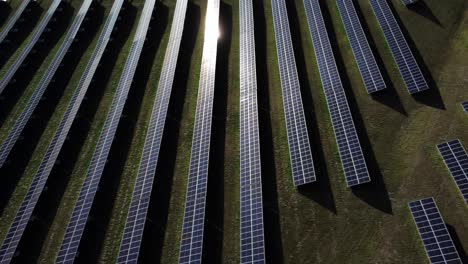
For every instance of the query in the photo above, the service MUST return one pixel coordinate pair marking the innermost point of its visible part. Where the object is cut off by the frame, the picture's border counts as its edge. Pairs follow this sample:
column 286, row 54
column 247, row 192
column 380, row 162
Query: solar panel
column 35, row 37
column 135, row 223
column 456, row 160
column 433, row 232
column 13, row 19
column 465, row 106
column 402, row 54
column 75, row 228
column 300, row 154
column 365, row 60
column 26, row 208
column 34, row 100
column 251, row 203
column 409, row 2
column 191, row 243
column 349, row 147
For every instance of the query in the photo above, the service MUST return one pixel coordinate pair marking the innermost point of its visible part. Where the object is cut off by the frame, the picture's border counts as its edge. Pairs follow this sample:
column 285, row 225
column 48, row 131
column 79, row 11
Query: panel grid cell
column 191, row 244
column 433, row 232
column 25, row 52
column 252, row 243
column 349, row 147
column 14, row 19
column 409, row 68
column 135, row 223
column 302, row 165
column 456, row 160
column 26, row 208
column 365, row 60
column 76, row 226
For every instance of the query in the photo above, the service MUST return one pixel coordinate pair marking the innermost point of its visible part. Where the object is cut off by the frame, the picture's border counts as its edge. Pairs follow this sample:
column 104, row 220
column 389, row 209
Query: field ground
column 322, row 223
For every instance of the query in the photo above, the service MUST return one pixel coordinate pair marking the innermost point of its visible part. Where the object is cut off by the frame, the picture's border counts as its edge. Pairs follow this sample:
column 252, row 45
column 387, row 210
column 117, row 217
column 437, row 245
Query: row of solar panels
column 252, row 231
column 432, row 229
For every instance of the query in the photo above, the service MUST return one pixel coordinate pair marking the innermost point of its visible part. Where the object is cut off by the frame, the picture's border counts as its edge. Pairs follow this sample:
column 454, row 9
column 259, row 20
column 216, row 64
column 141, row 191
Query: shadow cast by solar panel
column 272, row 224
column 421, row 8
column 155, row 226
column 388, row 96
column 214, row 217
column 24, row 25
column 429, row 97
column 319, row 191
column 25, row 73
column 101, row 212
column 23, row 150
column 46, row 208
column 5, row 10
column 457, row 242
column 374, row 193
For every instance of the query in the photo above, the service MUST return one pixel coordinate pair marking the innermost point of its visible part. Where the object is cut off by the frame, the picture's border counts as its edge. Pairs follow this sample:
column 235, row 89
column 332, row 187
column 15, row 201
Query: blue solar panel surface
column 24, row 53
column 352, row 158
column 409, row 68
column 433, row 232
column 302, row 164
column 75, row 228
column 409, row 2
column 456, row 160
column 367, row 65
column 34, row 100
column 135, row 223
column 191, row 243
column 14, row 19
column 465, row 106
column 251, row 203
column 26, row 208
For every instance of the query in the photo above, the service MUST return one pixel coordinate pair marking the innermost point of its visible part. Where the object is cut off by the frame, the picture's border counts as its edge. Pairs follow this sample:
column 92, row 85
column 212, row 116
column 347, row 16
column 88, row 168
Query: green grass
column 332, row 224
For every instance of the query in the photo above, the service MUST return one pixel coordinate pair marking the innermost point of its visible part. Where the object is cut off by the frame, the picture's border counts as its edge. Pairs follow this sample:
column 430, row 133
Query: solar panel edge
column 339, row 89
column 117, row 105
column 398, row 28
column 447, row 144
column 301, row 114
column 368, row 89
column 422, row 202
column 174, row 41
column 192, row 252
column 246, row 6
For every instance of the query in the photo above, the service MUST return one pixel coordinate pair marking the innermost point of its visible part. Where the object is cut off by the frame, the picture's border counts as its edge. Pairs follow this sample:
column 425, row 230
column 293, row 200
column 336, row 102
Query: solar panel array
column 191, row 243
column 14, row 19
column 302, row 164
column 434, row 234
column 349, row 147
column 465, row 106
column 26, row 208
column 75, row 228
column 456, row 159
column 23, row 119
column 251, row 203
column 135, row 223
column 35, row 37
column 367, row 65
column 402, row 54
